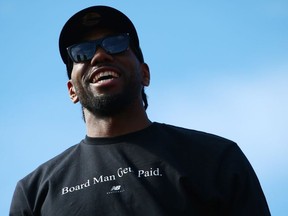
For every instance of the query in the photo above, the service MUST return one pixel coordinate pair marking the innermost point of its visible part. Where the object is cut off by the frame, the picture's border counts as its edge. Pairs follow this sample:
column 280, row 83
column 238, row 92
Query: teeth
column 105, row 74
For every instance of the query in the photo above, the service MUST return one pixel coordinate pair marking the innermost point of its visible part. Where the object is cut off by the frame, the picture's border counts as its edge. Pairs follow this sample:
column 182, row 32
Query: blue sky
column 217, row 66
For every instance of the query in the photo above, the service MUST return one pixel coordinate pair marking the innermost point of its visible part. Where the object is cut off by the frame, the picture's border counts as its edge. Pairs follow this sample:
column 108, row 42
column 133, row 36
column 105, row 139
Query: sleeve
column 242, row 189
column 19, row 205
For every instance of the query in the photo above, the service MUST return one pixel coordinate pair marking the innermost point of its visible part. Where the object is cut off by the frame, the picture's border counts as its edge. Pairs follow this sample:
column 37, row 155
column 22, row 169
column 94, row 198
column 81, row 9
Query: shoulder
column 201, row 145
column 195, row 136
column 204, row 148
column 36, row 185
column 51, row 167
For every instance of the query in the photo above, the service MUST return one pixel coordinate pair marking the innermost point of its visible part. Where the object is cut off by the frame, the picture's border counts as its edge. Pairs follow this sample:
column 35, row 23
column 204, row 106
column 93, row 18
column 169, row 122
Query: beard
column 108, row 105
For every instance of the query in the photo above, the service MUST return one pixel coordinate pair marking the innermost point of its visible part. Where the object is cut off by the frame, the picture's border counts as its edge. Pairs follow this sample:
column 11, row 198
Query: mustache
column 87, row 75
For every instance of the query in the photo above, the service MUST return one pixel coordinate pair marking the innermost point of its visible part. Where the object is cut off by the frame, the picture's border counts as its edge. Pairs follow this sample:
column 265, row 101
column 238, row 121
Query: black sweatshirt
column 159, row 171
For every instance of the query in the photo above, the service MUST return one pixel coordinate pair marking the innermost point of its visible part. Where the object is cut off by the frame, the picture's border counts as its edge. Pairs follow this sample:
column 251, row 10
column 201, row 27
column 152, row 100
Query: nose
column 101, row 56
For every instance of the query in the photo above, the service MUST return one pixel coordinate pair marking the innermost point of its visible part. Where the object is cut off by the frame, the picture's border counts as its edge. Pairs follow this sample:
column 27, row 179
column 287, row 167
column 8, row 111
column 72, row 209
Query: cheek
column 132, row 64
column 77, row 71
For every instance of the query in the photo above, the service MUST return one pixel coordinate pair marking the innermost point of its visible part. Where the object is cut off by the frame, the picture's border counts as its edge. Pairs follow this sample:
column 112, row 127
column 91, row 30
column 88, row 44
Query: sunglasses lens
column 85, row 51
column 82, row 52
column 116, row 44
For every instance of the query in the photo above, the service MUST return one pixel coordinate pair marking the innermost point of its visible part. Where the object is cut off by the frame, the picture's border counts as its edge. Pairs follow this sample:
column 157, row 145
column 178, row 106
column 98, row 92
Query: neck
column 129, row 121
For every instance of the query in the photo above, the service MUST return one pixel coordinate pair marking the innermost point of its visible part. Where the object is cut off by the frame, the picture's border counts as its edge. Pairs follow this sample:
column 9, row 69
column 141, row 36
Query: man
column 127, row 165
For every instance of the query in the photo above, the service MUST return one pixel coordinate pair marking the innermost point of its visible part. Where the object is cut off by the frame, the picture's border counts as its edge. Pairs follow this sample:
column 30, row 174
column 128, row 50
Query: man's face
column 107, row 84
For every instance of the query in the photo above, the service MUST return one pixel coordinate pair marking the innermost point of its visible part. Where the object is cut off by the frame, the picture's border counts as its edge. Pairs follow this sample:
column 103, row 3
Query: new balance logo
column 116, row 188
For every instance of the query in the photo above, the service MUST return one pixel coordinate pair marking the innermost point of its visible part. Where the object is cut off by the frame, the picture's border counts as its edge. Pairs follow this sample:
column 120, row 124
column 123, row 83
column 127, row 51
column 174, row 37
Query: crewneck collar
column 118, row 139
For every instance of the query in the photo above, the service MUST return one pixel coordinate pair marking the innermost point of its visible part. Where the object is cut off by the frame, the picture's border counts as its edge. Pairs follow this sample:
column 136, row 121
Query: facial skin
column 123, row 79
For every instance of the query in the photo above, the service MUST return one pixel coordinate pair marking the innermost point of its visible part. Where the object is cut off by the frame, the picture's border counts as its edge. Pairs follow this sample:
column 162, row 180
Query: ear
column 145, row 74
column 71, row 89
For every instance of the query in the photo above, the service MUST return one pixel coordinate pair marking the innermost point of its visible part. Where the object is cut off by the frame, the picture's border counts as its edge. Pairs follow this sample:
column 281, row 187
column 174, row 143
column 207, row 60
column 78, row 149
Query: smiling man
column 126, row 164
column 109, row 87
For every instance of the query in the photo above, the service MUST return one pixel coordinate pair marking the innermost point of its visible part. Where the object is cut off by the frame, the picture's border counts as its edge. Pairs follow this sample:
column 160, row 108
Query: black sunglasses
column 85, row 51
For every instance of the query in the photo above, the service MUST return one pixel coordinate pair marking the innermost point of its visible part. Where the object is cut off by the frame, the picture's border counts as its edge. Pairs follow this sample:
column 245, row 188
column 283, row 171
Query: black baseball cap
column 92, row 18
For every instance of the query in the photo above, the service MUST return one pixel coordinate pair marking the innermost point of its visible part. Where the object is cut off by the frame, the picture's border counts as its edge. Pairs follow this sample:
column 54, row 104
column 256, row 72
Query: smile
column 104, row 76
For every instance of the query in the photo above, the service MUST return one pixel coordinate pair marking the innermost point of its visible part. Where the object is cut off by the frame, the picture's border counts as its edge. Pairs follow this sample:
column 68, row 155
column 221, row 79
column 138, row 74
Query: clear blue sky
column 217, row 66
